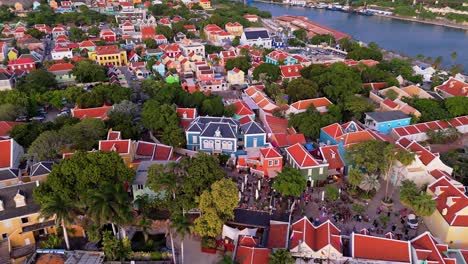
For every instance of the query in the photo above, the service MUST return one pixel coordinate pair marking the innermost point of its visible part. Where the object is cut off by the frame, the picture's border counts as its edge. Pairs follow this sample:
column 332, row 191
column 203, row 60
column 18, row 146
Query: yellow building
column 449, row 222
column 235, row 76
column 108, row 55
column 235, row 28
column 20, row 224
column 205, row 4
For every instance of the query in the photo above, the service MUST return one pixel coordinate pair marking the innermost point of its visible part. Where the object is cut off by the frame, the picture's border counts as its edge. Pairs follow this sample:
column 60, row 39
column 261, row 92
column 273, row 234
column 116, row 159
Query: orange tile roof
column 5, row 155
column 378, row 248
column 315, row 237
column 242, row 109
column 104, row 50
column 252, row 255
column 96, row 112
column 451, row 201
column 316, row 102
column 332, row 156
column 120, row 146
column 301, row 156
column 454, row 87
column 428, row 249
column 6, row 127
column 61, row 67
column 277, row 235
column 269, row 153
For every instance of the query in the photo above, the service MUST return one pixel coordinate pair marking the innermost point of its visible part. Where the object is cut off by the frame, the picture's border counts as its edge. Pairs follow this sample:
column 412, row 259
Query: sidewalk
column 192, row 251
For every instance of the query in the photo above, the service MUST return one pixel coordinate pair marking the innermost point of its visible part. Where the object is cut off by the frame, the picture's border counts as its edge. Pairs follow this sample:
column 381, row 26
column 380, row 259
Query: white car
column 412, row 221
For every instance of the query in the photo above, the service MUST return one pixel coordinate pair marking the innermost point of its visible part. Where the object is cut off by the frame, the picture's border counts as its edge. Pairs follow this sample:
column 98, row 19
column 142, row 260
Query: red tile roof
column 5, row 155
column 301, row 156
column 315, row 237
column 61, row 67
column 244, row 120
column 333, row 130
column 379, row 248
column 390, row 103
column 356, row 137
column 427, row 249
column 331, row 156
column 6, row 127
column 434, row 125
column 113, row 135
column 21, row 61
column 451, row 201
column 153, row 151
column 454, row 87
column 278, row 234
column 269, row 153
column 316, row 102
column 120, row 146
column 96, row 112
column 104, row 50
column 252, row 255
column 87, row 43
column 276, row 124
column 242, row 109
column 291, row 71
column 422, row 153
column 190, row 113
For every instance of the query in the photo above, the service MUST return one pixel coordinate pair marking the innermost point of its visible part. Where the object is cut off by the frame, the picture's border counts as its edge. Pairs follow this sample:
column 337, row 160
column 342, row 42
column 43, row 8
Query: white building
column 61, row 53
column 256, row 37
column 196, row 48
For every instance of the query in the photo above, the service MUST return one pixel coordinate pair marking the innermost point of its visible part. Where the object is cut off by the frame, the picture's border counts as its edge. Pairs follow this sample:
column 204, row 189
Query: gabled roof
column 278, row 234
column 379, row 248
column 270, row 153
column 61, row 67
column 6, row 127
column 41, row 168
column 87, row 43
column 260, row 99
column 331, row 155
column 432, row 125
column 211, row 129
column 96, row 112
column 301, row 156
column 252, row 128
column 105, row 50
column 252, row 255
column 21, row 61
column 316, row 102
column 428, row 250
column 291, row 71
column 454, row 87
column 7, row 147
column 424, row 155
column 113, row 135
column 121, row 146
column 7, row 195
column 186, row 113
column 315, row 237
column 153, row 151
column 8, row 174
column 451, row 201
column 256, row 33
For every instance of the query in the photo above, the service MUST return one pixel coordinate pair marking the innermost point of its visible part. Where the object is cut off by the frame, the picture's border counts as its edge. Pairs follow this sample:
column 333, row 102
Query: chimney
column 1, row 206
column 333, row 154
column 20, row 201
column 289, row 70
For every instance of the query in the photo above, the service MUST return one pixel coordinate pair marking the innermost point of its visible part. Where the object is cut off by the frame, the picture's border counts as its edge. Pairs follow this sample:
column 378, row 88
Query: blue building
column 278, row 43
column 384, row 122
column 223, row 135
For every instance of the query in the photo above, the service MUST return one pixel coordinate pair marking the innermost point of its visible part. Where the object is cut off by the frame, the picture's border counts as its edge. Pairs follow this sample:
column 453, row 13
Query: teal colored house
column 384, row 122
column 223, row 135
column 299, row 158
column 278, row 57
column 159, row 68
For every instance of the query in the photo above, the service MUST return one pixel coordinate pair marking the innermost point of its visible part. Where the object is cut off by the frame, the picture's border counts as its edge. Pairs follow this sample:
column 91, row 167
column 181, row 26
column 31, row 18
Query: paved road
column 192, row 252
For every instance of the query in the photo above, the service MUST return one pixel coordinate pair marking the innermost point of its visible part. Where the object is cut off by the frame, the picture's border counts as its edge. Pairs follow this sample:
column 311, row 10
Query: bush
column 331, row 192
column 208, row 242
column 156, row 256
column 443, row 136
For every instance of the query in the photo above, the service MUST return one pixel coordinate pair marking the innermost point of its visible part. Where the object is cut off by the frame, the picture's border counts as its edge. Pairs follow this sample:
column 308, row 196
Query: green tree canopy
column 35, row 33
column 300, row 34
column 267, row 71
column 457, row 105
column 241, row 63
column 289, row 182
column 217, row 205
column 281, row 256
column 38, row 81
column 356, row 106
column 86, row 71
column 301, row 88
column 310, row 121
column 165, row 31
column 322, row 38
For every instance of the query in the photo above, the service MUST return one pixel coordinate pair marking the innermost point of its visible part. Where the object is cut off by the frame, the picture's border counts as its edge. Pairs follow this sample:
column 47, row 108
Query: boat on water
column 346, row 9
column 334, row 7
column 365, row 12
column 321, row 6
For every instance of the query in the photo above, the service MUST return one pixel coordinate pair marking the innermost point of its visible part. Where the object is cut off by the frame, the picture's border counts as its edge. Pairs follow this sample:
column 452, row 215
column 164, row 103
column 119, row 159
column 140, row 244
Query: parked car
column 412, row 221
column 37, row 118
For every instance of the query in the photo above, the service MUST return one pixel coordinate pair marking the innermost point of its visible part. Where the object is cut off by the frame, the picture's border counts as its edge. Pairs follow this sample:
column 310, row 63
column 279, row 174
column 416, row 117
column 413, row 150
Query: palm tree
column 355, row 177
column 111, row 204
column 54, row 205
column 369, row 183
column 226, row 259
column 281, row 256
column 424, row 205
column 182, row 226
column 404, row 157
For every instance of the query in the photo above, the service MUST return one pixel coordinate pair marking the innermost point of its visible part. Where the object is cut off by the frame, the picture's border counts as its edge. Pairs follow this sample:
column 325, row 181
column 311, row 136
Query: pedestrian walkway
column 192, row 251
